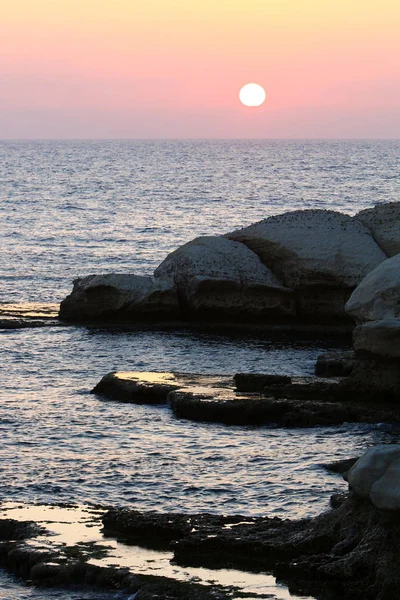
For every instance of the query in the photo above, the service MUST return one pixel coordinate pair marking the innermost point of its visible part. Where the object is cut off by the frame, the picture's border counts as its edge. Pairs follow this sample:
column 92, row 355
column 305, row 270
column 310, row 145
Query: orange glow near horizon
column 172, row 69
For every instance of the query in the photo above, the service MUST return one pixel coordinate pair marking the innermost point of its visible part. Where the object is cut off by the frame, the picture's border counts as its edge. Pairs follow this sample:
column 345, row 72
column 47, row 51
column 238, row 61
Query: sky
column 174, row 68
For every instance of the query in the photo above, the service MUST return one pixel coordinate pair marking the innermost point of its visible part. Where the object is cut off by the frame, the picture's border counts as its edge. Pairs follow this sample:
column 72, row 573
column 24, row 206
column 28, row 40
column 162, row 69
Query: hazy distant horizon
column 200, row 139
column 173, row 70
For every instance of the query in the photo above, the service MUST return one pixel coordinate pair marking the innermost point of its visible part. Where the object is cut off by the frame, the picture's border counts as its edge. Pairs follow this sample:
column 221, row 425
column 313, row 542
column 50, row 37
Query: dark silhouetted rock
column 335, row 364
column 256, row 382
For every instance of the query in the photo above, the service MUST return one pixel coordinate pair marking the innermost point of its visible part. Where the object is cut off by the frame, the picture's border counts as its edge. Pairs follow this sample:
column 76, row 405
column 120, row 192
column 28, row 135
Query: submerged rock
column 303, row 402
column 244, row 410
column 383, row 221
column 22, row 315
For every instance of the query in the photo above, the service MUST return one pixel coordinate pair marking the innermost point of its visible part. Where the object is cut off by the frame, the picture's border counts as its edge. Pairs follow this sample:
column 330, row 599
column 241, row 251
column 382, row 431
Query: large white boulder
column 323, row 255
column 384, row 223
column 217, row 274
column 378, row 295
column 376, row 475
column 313, row 248
column 378, row 337
column 114, row 295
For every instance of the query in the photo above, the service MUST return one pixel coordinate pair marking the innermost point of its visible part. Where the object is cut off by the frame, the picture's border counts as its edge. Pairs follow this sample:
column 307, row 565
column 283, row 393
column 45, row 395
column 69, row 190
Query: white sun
column 252, row 94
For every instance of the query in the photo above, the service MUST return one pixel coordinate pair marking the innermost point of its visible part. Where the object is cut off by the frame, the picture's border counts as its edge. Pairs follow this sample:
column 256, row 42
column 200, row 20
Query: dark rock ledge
column 247, row 399
column 60, row 567
column 23, row 315
column 348, row 553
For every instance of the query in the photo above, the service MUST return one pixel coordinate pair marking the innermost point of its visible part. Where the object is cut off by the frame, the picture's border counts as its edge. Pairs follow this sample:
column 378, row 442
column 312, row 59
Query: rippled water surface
column 74, row 208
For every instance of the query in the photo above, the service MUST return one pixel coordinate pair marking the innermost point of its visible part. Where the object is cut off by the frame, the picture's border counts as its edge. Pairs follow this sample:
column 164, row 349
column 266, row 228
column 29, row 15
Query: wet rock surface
column 256, row 382
column 72, row 552
column 341, row 466
column 350, row 552
column 25, row 315
column 335, row 364
column 283, row 401
column 280, row 412
column 138, row 387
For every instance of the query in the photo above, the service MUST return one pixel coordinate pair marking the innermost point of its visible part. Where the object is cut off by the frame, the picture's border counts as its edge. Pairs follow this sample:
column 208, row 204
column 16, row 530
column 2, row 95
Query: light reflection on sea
column 60, row 443
column 69, row 209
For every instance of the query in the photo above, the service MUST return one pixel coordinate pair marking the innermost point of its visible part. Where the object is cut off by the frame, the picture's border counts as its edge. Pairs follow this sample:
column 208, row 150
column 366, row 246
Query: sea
column 73, row 208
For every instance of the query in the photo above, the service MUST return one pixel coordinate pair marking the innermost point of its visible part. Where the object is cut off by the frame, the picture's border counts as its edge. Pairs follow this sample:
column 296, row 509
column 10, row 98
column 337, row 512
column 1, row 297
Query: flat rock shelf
column 246, row 399
column 63, row 546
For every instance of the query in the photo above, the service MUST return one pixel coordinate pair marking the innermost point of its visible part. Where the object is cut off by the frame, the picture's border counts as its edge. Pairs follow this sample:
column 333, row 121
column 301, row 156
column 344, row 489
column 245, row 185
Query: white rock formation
column 376, row 475
column 384, row 223
column 313, row 248
column 97, row 296
column 214, row 273
column 378, row 295
column 378, row 337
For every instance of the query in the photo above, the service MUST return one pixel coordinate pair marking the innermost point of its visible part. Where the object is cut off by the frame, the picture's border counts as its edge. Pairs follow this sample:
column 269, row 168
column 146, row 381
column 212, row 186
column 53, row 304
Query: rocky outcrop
column 384, row 223
column 335, row 364
column 292, row 269
column 214, row 275
column 378, row 295
column 136, row 387
column 22, row 315
column 376, row 476
column 258, row 399
column 381, row 338
column 125, row 296
column 348, row 553
column 323, row 255
column 375, row 306
column 256, row 382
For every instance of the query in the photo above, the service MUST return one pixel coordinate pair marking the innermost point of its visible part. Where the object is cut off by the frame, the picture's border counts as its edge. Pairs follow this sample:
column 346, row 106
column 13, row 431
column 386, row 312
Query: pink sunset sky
column 173, row 68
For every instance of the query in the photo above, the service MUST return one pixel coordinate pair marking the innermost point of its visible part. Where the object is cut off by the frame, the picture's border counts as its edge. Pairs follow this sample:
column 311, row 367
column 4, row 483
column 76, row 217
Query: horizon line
column 194, row 139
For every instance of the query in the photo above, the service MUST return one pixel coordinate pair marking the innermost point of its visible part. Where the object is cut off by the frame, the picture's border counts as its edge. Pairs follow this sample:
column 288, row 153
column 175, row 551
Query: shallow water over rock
column 76, row 532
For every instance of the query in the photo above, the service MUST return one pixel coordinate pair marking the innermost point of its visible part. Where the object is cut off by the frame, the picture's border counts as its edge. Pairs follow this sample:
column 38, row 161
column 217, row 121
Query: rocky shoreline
column 312, row 271
column 294, row 269
column 349, row 552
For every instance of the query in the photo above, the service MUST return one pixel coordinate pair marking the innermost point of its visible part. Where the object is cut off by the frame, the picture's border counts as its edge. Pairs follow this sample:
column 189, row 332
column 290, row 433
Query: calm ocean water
column 74, row 208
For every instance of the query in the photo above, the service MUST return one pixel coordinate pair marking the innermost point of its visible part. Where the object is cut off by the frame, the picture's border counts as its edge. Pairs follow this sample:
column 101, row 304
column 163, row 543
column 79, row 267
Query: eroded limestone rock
column 378, row 337
column 376, row 476
column 378, row 295
column 323, row 255
column 214, row 274
column 313, row 248
column 384, row 223
column 103, row 296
